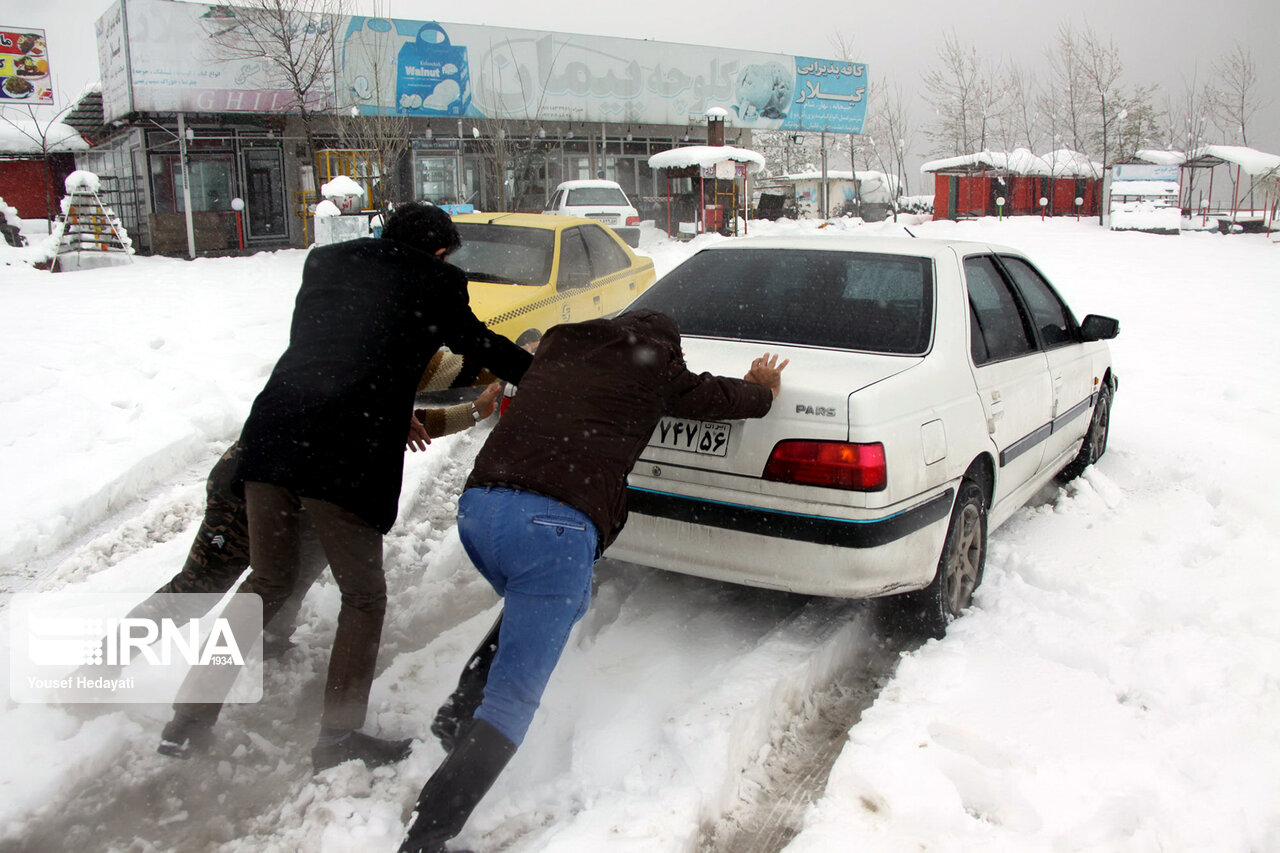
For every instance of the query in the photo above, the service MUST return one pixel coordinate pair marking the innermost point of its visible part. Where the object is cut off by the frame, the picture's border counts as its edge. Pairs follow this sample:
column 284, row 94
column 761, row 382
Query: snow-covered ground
column 1116, row 686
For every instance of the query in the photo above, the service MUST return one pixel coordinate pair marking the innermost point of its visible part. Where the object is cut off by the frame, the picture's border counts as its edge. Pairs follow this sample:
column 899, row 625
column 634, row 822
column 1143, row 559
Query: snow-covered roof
column 717, row 112
column 706, row 155
column 1062, row 163
column 1250, row 160
column 1065, row 163
column 1145, row 188
column 1161, row 158
column 1020, row 161
column 19, row 136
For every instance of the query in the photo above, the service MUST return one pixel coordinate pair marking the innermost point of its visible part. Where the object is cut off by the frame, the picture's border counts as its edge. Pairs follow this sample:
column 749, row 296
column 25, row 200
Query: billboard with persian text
column 184, row 57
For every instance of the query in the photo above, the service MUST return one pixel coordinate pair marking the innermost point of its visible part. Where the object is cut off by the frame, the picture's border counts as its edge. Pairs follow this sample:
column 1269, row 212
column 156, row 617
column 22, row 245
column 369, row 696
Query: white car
column 934, row 387
column 603, row 201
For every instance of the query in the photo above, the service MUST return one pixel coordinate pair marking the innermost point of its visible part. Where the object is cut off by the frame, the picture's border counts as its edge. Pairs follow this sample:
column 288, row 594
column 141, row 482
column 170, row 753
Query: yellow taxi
column 527, row 272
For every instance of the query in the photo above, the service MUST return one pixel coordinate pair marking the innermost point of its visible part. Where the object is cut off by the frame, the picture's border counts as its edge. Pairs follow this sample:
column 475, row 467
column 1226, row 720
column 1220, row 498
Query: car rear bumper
column 630, row 234
column 815, row 555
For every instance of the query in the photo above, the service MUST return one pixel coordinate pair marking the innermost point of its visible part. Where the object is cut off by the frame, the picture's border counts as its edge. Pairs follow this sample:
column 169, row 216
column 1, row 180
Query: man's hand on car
column 766, row 371
column 488, row 400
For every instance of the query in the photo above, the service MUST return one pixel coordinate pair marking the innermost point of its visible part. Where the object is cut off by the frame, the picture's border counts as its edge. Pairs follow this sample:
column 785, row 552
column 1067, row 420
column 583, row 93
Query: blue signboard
column 829, row 95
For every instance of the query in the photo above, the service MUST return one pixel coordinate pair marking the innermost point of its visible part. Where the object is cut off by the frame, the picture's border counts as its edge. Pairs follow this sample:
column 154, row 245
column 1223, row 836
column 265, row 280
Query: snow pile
column 341, row 187
column 1113, row 688
column 327, row 208
column 1145, row 216
column 82, row 180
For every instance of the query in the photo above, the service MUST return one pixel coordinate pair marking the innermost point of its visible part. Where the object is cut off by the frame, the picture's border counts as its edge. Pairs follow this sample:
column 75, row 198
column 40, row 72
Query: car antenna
column 908, row 230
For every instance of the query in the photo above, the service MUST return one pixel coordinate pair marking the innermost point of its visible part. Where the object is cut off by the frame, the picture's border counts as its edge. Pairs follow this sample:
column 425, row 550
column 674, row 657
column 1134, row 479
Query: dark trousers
column 220, row 553
column 354, row 551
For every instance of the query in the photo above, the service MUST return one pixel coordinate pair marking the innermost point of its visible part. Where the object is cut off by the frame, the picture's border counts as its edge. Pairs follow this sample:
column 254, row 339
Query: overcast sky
column 1168, row 43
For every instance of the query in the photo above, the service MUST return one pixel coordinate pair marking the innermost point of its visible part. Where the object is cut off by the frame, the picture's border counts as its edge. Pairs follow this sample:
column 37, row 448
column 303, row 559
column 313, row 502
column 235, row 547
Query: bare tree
column 952, row 89
column 1138, row 122
column 1184, row 125
column 1235, row 99
column 1064, row 101
column 1186, row 120
column 1100, row 69
column 890, row 132
column 46, row 135
column 369, row 124
column 1026, row 124
column 294, row 43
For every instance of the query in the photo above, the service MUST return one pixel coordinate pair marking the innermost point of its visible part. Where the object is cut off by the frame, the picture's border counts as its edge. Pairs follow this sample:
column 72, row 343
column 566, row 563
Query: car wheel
column 928, row 611
column 1095, row 440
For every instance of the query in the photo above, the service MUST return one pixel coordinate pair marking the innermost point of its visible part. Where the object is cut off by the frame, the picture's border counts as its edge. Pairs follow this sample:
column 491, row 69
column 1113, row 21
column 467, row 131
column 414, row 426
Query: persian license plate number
column 709, row 438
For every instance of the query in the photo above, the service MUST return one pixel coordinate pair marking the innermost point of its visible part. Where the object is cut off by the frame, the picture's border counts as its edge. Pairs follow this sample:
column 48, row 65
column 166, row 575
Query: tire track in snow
column 794, row 767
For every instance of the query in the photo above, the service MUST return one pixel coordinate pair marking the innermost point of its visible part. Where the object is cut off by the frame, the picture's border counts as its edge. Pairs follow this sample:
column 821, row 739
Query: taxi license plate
column 710, row 438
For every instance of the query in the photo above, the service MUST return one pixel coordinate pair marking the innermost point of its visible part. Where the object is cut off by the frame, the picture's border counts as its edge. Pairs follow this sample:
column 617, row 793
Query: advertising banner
column 113, row 63
column 195, row 58
column 435, row 69
column 24, row 67
column 189, row 57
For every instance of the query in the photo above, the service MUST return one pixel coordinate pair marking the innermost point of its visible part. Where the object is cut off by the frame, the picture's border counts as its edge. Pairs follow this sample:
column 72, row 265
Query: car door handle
column 595, row 298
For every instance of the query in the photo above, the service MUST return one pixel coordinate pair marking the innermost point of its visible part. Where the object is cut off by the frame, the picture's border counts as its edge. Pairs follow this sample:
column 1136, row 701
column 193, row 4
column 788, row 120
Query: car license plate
column 710, row 438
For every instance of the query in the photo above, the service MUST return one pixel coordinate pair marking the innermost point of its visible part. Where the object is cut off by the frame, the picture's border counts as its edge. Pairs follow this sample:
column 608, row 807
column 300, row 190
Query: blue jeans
column 537, row 553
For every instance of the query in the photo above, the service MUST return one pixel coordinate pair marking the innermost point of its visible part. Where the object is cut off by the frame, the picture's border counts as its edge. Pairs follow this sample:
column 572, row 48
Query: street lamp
column 1044, row 202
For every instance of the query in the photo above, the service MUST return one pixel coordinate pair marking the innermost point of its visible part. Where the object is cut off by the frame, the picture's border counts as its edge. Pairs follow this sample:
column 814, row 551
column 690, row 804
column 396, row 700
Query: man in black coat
column 327, row 435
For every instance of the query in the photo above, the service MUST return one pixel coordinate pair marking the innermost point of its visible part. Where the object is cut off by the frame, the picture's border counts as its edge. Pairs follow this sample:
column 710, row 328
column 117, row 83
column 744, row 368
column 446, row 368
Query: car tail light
column 633, row 220
column 834, row 464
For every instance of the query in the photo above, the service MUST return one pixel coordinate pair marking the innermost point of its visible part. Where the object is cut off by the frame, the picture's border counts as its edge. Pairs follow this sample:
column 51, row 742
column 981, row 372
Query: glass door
column 264, row 204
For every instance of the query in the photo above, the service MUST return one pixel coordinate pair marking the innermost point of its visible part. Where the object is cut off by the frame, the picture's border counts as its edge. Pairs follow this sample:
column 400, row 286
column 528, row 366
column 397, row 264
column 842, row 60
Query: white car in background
column 934, row 387
column 603, row 201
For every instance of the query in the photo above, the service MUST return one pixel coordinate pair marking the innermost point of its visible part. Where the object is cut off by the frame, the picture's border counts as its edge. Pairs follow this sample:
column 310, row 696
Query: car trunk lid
column 813, row 404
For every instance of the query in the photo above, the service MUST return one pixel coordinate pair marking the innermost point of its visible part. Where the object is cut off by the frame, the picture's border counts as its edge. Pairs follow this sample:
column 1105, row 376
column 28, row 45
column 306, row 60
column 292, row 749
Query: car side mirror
column 1099, row 328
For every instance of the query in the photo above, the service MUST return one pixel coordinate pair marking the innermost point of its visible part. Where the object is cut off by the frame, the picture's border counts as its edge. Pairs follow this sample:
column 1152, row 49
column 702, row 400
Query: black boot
column 466, row 697
column 457, row 786
column 373, row 751
column 183, row 736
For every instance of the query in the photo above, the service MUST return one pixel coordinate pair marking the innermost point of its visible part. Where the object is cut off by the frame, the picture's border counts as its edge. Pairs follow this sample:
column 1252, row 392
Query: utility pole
column 186, row 185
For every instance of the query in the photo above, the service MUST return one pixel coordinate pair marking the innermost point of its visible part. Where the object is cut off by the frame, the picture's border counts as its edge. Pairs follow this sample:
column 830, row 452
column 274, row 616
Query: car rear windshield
column 505, row 254
column 851, row 300
column 585, row 196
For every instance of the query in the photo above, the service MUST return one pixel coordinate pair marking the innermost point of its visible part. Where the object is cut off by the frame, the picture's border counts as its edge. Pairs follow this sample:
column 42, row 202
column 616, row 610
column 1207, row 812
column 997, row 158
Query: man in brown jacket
column 546, row 497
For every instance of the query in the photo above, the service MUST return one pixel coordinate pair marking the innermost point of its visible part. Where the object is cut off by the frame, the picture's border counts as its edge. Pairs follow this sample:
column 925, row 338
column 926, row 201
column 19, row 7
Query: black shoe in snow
column 181, row 737
column 461, row 705
column 373, row 751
